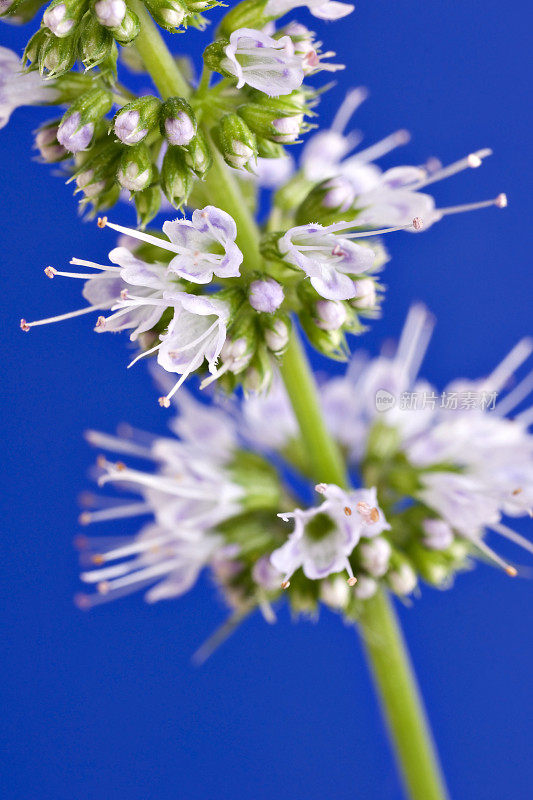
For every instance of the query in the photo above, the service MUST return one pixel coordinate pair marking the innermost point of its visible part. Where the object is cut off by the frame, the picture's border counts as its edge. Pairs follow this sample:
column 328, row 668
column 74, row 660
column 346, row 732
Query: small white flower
column 267, row 64
column 180, row 129
column 266, row 295
column 324, row 536
column 73, row 135
column 127, row 127
column 18, row 88
column 330, row 315
column 402, row 580
column 55, row 18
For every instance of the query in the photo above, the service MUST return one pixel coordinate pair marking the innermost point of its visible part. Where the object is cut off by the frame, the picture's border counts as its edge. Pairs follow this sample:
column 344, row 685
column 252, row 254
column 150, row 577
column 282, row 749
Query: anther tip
column 501, row 201
column 511, row 571
column 24, row 325
column 320, row 488
column 418, row 223
column 82, row 601
column 348, row 511
column 164, row 402
column 474, row 160
column 102, row 222
column 103, row 587
column 285, row 584
column 352, row 581
column 403, row 136
column 84, row 518
column 50, row 272
column 97, row 559
column 100, row 323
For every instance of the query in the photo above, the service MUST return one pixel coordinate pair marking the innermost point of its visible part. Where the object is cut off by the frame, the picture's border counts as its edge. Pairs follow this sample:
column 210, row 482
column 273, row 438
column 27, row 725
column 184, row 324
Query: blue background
column 107, row 704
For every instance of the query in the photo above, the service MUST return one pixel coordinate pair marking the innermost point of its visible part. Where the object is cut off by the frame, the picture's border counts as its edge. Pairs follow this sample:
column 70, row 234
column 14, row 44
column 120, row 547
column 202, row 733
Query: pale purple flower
column 328, row 260
column 287, row 128
column 266, row 295
column 47, row 145
column 325, row 536
column 196, row 333
column 180, row 129
column 438, row 535
column 73, row 135
column 18, row 88
column 110, row 13
column 330, row 314
column 323, row 9
column 267, row 64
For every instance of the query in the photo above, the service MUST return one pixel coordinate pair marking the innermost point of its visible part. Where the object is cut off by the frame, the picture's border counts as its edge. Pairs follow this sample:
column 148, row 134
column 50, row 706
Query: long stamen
column 414, row 341
column 524, row 388
column 348, row 107
column 164, row 402
column 117, row 512
column 136, row 547
column 492, row 556
column 164, row 244
column 471, row 161
column 51, row 272
column 87, row 601
column 153, row 482
column 216, row 375
column 80, row 262
column 513, row 536
column 417, row 225
column 25, row 326
column 352, row 580
column 144, row 354
column 499, row 376
column 381, row 148
column 500, row 202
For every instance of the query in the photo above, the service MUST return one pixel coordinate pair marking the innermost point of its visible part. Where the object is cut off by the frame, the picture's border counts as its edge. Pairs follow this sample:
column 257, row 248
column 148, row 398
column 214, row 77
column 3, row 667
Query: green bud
column 58, row 56
column 176, row 177
column 170, row 14
column 383, row 442
column 332, row 344
column 267, row 149
column 248, row 14
column 330, row 201
column 71, row 85
column 259, row 480
column 96, row 173
column 135, row 120
column 401, row 576
column 235, row 141
column 96, row 43
column 258, row 375
column 62, row 16
column 135, row 171
column 271, row 121
column 198, row 155
column 35, row 45
column 431, row 564
column 147, row 204
column 128, row 30
column 214, row 54
column 178, row 122
column 78, row 124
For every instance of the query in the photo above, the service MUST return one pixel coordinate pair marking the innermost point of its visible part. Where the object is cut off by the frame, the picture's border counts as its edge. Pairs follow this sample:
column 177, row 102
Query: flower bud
column 95, row 176
column 438, row 534
column 176, row 177
column 266, row 295
column 19, row 12
column 330, row 314
column 402, row 579
column 272, row 121
column 265, row 575
column 268, row 149
column 136, row 119
column 335, row 593
column 235, row 141
column 258, row 376
column 62, row 16
column 46, row 143
column 170, row 14
column 365, row 294
column 96, row 44
column 33, row 49
column 77, row 126
column 327, row 202
column 57, row 56
column 277, row 332
column 247, row 14
column 375, row 556
column 135, row 170
column 178, row 123
column 128, row 30
column 331, row 343
column 147, row 204
column 110, row 13
column 198, row 155
column 365, row 588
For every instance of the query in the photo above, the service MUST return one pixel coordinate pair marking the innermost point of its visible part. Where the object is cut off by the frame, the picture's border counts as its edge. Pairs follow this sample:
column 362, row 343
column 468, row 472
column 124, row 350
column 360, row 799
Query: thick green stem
column 400, row 699
column 325, row 459
column 384, row 643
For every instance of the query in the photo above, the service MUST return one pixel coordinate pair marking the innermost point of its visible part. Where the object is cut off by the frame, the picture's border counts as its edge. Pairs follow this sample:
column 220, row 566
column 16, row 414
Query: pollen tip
column 24, row 325
column 50, row 272
column 285, row 584
column 101, row 462
column 97, row 559
column 164, row 402
column 515, row 492
column 120, row 466
column 100, row 323
column 511, row 571
column 102, row 222
column 352, row 581
column 348, row 511
column 501, row 201
column 374, row 515
column 84, row 518
column 82, row 601
column 80, row 542
column 321, row 488
column 474, row 160
column 103, row 587
column 403, row 136
column 418, row 223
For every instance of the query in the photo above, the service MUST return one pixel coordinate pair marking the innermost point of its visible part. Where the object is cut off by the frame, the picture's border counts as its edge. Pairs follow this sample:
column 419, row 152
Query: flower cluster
column 438, row 482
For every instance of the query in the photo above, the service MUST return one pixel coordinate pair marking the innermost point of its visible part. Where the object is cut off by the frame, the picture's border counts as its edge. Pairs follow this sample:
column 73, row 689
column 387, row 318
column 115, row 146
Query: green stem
column 384, row 643
column 401, row 701
column 325, row 459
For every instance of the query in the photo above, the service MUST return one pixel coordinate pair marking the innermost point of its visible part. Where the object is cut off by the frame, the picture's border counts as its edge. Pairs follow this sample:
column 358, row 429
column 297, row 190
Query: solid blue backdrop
column 107, row 704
